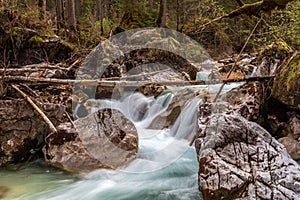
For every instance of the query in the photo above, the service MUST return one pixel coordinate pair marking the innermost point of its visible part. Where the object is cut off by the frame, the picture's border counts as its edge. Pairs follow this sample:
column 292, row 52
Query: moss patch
column 286, row 86
column 277, row 50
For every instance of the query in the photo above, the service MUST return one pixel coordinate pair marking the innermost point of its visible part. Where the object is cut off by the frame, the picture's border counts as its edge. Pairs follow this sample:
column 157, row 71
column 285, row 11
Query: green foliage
column 20, row 21
column 284, row 25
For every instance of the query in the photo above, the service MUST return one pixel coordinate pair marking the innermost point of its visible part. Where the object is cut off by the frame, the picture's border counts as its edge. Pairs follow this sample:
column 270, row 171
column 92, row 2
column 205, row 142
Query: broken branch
column 45, row 118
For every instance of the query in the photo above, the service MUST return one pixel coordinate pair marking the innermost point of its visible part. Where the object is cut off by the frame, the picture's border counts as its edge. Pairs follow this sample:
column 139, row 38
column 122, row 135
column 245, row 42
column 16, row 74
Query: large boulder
column 286, row 87
column 22, row 130
column 105, row 139
column 238, row 159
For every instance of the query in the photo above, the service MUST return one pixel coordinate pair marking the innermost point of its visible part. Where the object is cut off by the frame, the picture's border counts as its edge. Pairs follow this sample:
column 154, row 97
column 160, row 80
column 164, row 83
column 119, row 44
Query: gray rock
column 248, row 100
column 22, row 130
column 105, row 139
column 238, row 159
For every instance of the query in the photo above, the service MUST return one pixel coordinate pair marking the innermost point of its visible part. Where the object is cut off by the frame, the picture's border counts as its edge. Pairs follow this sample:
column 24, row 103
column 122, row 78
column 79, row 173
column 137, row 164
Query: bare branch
column 45, row 118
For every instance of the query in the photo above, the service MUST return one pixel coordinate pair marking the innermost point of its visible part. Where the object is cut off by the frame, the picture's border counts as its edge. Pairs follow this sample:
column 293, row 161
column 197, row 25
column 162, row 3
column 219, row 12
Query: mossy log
column 261, row 6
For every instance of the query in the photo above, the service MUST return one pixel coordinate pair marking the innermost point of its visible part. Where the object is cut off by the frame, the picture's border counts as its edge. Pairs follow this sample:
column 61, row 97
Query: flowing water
column 166, row 167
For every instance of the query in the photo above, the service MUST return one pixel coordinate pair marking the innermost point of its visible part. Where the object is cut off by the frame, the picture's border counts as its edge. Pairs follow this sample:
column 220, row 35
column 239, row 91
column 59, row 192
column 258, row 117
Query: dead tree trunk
column 59, row 14
column 162, row 16
column 71, row 19
column 100, row 15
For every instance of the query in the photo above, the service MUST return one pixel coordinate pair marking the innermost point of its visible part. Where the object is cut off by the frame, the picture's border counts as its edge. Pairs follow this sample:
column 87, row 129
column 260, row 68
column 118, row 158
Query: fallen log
column 107, row 83
column 252, row 9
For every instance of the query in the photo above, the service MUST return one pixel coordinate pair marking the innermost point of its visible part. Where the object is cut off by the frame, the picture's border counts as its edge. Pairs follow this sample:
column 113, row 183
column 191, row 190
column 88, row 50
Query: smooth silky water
column 166, row 166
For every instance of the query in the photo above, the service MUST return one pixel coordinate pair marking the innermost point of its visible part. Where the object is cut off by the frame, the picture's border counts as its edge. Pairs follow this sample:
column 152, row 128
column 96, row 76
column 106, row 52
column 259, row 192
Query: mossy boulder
column 277, row 50
column 286, row 87
column 272, row 56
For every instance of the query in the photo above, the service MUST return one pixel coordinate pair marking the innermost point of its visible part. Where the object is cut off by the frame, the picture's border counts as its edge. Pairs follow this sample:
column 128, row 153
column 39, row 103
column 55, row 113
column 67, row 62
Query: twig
column 45, row 118
column 74, row 64
column 213, row 20
column 29, row 90
column 69, row 118
column 232, row 68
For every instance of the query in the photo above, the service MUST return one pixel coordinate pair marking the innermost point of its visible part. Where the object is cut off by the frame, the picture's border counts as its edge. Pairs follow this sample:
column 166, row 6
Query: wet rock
column 238, row 159
column 248, row 100
column 271, row 57
column 22, row 129
column 242, row 67
column 292, row 146
column 105, row 139
column 3, row 190
column 286, row 87
column 169, row 116
column 294, row 126
column 153, row 89
column 285, row 124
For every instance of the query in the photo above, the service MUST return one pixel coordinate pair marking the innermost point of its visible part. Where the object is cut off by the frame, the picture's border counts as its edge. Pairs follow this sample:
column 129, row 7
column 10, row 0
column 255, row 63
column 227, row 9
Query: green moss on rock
column 286, row 87
column 277, row 50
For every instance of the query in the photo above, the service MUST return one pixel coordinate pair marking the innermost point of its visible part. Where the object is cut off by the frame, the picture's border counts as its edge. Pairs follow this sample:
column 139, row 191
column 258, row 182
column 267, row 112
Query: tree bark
column 108, row 83
column 108, row 8
column 162, row 16
column 59, row 14
column 100, row 15
column 42, row 6
column 71, row 19
column 151, row 5
column 79, row 7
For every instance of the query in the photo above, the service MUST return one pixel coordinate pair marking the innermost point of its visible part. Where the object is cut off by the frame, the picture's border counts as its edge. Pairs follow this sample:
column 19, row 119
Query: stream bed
column 166, row 166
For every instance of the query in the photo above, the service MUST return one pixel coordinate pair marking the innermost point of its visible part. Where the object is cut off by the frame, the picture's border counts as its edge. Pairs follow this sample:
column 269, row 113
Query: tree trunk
column 177, row 15
column 100, row 15
column 71, row 19
column 79, row 7
column 161, row 21
column 108, row 9
column 151, row 5
column 59, row 14
column 42, row 6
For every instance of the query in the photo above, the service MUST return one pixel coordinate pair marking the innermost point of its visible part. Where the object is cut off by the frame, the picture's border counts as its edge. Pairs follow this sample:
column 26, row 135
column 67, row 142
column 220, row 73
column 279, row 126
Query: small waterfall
column 166, row 166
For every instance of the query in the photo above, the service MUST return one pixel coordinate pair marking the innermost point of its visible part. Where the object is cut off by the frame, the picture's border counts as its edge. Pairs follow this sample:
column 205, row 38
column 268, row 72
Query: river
column 166, row 167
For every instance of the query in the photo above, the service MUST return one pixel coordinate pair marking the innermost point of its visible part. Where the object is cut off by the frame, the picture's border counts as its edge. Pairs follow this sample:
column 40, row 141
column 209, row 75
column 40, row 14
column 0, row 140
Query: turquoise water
column 175, row 181
column 166, row 167
column 32, row 178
